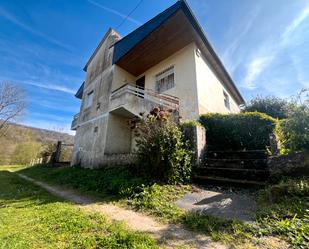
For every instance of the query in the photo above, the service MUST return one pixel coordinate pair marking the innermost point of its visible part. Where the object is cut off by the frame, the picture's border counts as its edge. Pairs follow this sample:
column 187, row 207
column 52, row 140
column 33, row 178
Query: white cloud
column 232, row 60
column 117, row 13
column 53, row 87
column 286, row 35
column 268, row 52
column 10, row 17
column 255, row 68
column 49, row 86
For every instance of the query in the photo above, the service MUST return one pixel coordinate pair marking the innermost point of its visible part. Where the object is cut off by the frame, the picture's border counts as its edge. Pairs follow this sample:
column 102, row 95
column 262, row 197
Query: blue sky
column 45, row 44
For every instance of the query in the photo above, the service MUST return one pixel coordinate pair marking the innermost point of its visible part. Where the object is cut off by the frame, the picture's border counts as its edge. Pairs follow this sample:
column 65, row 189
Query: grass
column 32, row 218
column 282, row 208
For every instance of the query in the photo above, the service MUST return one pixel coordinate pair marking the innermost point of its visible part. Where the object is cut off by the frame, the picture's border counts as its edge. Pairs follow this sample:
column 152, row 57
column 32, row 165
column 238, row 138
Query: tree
column 271, row 105
column 12, row 103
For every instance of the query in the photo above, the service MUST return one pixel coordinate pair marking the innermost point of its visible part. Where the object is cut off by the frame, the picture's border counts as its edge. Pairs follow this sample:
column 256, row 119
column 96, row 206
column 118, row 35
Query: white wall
column 185, row 78
column 121, row 77
column 210, row 89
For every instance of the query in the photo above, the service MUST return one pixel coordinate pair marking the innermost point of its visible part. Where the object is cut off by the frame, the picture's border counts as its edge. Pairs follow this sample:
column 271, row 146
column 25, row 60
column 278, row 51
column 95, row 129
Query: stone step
column 211, row 180
column 250, row 154
column 232, row 173
column 236, row 163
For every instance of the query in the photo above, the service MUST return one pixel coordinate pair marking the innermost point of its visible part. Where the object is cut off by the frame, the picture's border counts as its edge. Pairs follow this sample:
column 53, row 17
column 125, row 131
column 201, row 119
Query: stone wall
column 196, row 134
column 294, row 165
column 110, row 160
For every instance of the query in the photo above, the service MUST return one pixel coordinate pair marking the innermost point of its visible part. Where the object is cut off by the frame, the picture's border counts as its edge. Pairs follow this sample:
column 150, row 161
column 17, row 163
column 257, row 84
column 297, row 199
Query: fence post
column 58, row 152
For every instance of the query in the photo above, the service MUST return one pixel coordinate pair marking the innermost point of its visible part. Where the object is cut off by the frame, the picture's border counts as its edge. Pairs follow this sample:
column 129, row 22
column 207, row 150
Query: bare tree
column 12, row 103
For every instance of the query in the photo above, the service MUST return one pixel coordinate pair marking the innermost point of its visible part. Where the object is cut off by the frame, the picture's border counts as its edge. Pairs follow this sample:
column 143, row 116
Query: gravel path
column 168, row 235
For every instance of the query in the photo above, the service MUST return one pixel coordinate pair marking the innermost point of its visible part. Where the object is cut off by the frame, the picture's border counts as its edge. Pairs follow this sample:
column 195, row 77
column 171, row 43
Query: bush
column 162, row 150
column 272, row 106
column 293, row 133
column 244, row 131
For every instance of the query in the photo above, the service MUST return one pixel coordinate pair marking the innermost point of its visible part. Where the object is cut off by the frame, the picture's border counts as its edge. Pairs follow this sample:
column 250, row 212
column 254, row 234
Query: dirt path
column 168, row 235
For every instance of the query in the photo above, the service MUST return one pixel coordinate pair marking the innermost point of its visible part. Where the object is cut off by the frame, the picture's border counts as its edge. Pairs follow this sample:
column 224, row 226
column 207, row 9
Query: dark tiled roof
column 123, row 46
column 79, row 93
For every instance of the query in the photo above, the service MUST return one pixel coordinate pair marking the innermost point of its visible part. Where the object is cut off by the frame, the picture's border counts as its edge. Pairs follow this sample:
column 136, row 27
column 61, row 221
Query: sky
column 44, row 45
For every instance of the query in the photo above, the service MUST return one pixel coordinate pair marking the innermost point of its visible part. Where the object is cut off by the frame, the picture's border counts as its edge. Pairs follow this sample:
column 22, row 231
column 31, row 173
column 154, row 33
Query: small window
column 165, row 80
column 89, row 99
column 226, row 100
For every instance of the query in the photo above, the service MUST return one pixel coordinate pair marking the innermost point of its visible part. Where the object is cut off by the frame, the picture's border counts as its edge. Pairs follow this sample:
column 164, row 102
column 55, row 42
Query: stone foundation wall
column 111, row 160
column 196, row 134
column 294, row 165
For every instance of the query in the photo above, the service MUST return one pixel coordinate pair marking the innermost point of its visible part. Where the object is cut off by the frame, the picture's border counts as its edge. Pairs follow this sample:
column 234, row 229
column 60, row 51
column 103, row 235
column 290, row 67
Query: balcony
column 131, row 100
column 75, row 122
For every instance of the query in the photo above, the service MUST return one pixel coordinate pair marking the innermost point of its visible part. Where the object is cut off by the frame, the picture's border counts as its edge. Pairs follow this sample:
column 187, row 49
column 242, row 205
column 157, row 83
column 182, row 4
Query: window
column 89, row 100
column 165, row 80
column 226, row 100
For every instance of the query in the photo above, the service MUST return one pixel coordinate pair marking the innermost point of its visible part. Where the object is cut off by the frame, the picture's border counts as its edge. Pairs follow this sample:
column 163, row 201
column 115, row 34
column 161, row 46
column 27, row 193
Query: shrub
column 244, row 131
column 293, row 133
column 272, row 106
column 162, row 150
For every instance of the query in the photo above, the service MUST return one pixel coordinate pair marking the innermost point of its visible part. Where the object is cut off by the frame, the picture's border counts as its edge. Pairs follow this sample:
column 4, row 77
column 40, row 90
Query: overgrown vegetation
column 163, row 153
column 292, row 129
column 243, row 131
column 282, row 208
column 273, row 106
column 32, row 218
column 293, row 133
column 112, row 182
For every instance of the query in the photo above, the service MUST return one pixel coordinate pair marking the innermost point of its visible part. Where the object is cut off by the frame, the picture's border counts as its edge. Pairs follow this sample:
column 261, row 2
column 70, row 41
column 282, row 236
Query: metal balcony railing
column 165, row 100
column 75, row 121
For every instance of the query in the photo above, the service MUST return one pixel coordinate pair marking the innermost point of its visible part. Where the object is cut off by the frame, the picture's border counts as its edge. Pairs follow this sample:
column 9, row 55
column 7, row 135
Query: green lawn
column 32, row 218
column 282, row 209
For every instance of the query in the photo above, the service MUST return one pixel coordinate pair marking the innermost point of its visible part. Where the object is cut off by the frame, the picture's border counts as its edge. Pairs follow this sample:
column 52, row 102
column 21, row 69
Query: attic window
column 165, row 80
column 226, row 100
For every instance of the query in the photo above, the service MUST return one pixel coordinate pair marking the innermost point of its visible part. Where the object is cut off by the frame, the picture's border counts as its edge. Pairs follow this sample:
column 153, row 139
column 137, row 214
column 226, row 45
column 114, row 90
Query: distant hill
column 16, row 135
column 43, row 135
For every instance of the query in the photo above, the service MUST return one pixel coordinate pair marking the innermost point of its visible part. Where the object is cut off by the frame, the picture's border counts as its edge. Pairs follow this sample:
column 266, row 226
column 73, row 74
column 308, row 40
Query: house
column 166, row 62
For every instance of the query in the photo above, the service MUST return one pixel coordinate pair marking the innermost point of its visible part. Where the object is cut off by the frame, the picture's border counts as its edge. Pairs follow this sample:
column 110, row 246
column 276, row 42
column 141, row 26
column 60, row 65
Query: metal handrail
column 161, row 99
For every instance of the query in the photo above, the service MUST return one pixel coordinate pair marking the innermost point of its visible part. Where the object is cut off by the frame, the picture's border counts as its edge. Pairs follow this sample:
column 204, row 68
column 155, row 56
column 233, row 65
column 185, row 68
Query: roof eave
column 187, row 10
column 98, row 47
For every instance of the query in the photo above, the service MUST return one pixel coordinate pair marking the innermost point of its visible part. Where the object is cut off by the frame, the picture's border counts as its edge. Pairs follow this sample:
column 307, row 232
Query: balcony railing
column 158, row 99
column 75, row 121
column 130, row 100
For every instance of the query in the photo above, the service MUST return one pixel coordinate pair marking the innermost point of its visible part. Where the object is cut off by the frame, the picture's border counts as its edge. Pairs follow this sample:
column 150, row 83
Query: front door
column 140, row 83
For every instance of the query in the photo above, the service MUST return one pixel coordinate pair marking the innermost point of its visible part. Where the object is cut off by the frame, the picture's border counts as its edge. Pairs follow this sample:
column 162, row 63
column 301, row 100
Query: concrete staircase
column 233, row 168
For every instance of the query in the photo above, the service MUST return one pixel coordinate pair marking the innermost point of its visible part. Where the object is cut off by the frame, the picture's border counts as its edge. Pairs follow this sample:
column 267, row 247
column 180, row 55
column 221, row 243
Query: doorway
column 140, row 83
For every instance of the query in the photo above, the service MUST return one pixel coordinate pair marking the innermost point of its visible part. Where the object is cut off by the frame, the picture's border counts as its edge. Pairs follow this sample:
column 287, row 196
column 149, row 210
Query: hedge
column 243, row 131
column 293, row 133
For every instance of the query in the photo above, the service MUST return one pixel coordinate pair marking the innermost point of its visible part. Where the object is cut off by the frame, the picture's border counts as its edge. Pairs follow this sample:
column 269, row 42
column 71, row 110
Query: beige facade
column 189, row 80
